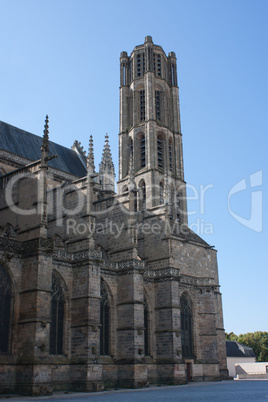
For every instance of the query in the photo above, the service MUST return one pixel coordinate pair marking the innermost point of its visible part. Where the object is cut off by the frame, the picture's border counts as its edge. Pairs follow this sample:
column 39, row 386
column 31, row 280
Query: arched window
column 160, row 151
column 142, row 151
column 5, row 310
column 104, row 322
column 142, row 193
column 138, row 65
column 57, row 316
column 159, row 65
column 186, row 327
column 170, row 155
column 146, row 330
column 157, row 105
column 142, row 105
column 161, row 193
column 178, row 206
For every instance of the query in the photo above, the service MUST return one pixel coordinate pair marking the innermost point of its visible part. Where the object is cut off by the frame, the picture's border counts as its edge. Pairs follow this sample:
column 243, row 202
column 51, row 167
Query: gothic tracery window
column 142, row 105
column 5, row 310
column 105, row 322
column 138, row 65
column 161, row 193
column 142, row 151
column 160, row 151
column 157, row 105
column 186, row 327
column 57, row 316
column 159, row 65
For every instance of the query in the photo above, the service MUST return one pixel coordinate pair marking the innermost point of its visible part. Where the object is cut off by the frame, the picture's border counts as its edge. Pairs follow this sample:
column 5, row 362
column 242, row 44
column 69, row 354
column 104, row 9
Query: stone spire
column 106, row 155
column 106, row 168
column 45, row 146
column 90, row 157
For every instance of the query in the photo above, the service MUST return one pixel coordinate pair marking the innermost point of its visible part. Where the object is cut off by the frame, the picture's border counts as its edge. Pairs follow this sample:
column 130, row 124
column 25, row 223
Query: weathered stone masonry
column 99, row 288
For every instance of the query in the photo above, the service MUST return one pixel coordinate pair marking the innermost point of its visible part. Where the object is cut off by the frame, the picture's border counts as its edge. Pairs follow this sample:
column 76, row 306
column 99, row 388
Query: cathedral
column 101, row 286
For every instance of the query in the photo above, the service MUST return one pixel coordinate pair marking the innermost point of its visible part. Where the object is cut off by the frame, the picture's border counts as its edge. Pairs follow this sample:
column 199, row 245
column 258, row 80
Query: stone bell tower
column 150, row 129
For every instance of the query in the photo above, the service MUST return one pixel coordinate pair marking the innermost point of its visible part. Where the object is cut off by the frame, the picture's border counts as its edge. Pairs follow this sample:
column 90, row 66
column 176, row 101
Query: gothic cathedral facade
column 101, row 288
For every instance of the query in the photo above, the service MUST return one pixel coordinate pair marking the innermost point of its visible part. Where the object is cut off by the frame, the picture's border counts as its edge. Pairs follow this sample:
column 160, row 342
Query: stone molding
column 78, row 255
column 106, row 266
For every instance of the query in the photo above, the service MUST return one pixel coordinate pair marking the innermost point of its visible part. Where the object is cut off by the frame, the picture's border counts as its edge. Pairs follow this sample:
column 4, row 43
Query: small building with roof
column 238, row 353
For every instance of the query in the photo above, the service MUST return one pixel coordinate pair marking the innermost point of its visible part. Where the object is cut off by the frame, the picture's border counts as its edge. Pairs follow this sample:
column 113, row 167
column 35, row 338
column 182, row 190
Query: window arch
column 57, row 316
column 160, row 151
column 161, row 193
column 186, row 327
column 142, row 150
column 5, row 310
column 158, row 105
column 146, row 330
column 142, row 105
column 138, row 65
column 104, row 322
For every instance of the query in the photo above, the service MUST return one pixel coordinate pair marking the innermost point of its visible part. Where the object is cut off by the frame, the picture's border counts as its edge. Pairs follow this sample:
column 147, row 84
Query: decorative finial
column 106, row 155
column 90, row 157
column 45, row 137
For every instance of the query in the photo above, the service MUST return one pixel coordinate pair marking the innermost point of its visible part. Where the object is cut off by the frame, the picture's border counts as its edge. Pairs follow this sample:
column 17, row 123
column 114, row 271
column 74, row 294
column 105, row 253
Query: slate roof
column 235, row 349
column 27, row 145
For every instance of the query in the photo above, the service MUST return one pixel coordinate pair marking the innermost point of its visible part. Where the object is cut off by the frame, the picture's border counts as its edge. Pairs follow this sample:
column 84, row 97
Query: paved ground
column 250, row 390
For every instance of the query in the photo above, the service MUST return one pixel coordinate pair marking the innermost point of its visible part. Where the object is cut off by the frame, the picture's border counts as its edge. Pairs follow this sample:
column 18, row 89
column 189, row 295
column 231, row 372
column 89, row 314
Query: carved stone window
column 159, row 65
column 160, row 151
column 161, row 193
column 105, row 322
column 5, row 310
column 158, row 105
column 138, row 65
column 142, row 151
column 142, row 105
column 186, row 327
column 57, row 316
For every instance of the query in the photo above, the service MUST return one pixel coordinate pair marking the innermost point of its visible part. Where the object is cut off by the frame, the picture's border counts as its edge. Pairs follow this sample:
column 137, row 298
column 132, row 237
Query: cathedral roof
column 235, row 349
column 27, row 145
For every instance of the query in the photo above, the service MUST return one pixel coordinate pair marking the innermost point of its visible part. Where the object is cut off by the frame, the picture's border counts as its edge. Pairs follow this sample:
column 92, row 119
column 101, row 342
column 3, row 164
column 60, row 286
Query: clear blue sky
column 61, row 57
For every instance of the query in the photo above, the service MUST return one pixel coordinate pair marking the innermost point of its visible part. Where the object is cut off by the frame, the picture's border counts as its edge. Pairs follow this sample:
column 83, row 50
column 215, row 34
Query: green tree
column 258, row 341
column 231, row 336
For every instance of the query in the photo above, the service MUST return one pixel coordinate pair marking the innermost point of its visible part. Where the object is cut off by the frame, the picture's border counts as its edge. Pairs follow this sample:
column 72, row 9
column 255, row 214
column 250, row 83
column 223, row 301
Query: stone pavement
column 206, row 391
